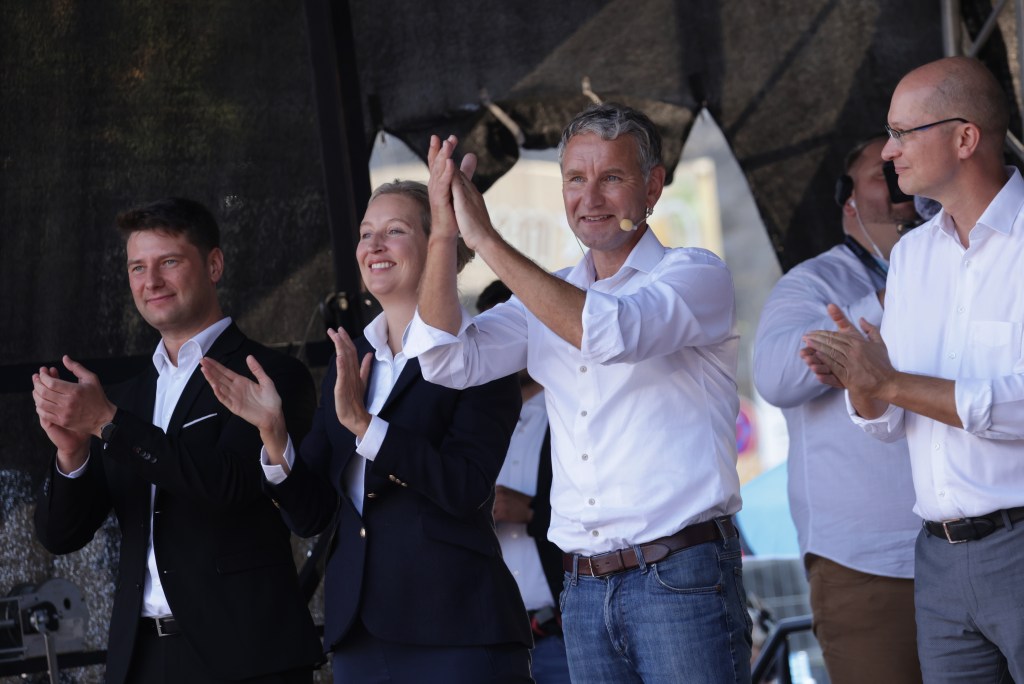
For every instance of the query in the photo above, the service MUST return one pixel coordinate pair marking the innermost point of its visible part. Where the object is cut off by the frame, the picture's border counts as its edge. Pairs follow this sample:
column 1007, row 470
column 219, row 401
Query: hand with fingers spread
column 257, row 403
column 350, row 387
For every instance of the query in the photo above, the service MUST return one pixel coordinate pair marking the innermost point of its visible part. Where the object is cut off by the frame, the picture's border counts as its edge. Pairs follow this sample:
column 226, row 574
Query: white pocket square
column 197, row 420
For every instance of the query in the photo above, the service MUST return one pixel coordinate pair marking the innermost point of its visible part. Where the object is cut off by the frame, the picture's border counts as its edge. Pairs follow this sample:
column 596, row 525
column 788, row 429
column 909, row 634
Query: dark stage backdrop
column 108, row 105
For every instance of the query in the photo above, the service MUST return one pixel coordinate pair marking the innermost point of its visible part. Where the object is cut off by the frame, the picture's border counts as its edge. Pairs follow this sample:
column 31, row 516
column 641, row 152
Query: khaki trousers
column 864, row 623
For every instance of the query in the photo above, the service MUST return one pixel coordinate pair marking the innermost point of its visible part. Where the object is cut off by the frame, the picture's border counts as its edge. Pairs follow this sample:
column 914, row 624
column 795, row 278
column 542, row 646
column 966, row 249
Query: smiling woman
column 408, row 469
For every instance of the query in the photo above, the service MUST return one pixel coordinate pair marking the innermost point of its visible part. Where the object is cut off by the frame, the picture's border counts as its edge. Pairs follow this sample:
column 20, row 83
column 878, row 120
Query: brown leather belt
column 654, row 551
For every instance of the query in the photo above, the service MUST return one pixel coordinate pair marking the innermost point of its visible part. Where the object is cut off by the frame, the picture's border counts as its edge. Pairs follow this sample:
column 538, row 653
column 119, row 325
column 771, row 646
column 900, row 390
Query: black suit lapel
column 410, row 373
column 223, row 347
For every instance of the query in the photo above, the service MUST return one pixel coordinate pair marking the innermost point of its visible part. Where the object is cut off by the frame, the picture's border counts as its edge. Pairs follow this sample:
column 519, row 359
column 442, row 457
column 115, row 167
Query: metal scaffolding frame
column 953, row 44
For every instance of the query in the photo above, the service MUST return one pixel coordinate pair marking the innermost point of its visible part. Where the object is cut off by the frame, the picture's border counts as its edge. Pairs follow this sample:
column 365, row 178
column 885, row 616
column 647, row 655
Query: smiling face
column 173, row 285
column 602, row 184
column 392, row 248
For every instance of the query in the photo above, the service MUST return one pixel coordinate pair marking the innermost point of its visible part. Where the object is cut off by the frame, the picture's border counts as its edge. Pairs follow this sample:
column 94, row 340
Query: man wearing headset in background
column 850, row 495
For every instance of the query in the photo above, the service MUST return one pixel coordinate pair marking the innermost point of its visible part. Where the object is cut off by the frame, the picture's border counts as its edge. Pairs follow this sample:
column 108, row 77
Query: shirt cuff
column 369, row 446
column 76, row 473
column 883, row 424
column 974, row 404
column 276, row 474
column 421, row 337
column 602, row 338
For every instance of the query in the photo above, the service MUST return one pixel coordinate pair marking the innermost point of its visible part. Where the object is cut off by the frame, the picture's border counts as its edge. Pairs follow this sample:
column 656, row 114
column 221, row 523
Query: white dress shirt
column 958, row 314
column 519, row 472
column 851, row 496
column 643, row 417
column 384, row 373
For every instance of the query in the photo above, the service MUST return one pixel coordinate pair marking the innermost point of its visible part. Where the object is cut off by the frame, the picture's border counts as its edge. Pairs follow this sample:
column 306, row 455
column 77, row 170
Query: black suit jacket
column 422, row 565
column 223, row 552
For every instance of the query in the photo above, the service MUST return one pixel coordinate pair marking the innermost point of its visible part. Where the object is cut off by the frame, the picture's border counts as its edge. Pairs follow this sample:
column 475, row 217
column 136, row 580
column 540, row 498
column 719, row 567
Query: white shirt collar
column 644, row 257
column 197, row 346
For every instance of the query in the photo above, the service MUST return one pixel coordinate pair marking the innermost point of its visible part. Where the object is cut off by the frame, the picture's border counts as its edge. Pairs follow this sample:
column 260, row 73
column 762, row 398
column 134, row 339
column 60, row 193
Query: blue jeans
column 683, row 619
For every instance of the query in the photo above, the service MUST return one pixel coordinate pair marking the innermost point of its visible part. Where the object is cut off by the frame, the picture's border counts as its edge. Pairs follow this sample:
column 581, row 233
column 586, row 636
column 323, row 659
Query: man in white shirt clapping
column 859, row 558
column 950, row 374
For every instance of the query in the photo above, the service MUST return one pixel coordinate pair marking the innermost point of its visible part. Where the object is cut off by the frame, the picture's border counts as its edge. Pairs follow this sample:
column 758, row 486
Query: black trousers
column 172, row 660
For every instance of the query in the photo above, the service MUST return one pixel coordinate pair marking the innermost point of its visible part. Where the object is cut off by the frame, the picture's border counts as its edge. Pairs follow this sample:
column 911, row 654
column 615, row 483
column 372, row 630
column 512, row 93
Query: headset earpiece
column 844, row 188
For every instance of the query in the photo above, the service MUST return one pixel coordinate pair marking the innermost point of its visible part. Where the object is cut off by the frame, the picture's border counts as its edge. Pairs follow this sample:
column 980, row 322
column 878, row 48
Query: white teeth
column 381, row 265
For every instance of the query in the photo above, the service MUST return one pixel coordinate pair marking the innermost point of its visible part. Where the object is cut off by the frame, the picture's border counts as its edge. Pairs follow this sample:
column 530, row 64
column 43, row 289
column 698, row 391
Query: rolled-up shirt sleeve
column 489, row 346
column 688, row 301
column 992, row 408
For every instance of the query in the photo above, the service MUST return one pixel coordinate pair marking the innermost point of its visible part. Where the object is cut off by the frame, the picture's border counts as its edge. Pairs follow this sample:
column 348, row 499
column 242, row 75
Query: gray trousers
column 969, row 602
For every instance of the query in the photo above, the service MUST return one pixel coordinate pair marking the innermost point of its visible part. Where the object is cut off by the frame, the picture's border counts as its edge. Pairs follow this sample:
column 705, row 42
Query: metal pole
column 951, row 27
column 986, row 30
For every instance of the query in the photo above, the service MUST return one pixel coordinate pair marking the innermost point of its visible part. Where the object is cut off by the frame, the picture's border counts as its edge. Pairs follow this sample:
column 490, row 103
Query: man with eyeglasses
column 861, row 577
column 950, row 374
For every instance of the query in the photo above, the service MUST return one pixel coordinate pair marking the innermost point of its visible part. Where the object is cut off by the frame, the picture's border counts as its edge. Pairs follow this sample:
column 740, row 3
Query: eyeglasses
column 898, row 135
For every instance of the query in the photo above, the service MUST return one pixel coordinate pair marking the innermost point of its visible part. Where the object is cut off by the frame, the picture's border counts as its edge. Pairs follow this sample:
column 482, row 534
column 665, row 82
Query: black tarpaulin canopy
column 793, row 84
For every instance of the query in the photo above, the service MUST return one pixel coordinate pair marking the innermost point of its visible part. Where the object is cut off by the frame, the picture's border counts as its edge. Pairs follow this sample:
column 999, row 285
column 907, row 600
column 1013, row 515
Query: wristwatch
column 107, row 431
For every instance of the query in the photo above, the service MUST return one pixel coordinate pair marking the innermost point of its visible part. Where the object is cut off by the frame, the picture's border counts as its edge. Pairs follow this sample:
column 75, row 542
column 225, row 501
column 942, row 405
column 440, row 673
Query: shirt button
column 962, row 309
column 591, row 502
column 583, row 369
column 942, row 492
column 967, row 263
column 516, row 573
column 583, row 413
column 952, row 355
column 936, row 446
column 594, row 533
column 585, row 457
column 515, row 535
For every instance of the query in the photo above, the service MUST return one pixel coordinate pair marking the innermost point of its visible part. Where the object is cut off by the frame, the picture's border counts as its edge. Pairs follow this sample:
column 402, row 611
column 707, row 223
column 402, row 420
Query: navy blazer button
column 371, row 495
column 362, row 532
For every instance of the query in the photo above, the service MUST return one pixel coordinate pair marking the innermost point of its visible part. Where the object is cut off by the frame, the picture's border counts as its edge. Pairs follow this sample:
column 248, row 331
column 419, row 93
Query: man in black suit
column 207, row 589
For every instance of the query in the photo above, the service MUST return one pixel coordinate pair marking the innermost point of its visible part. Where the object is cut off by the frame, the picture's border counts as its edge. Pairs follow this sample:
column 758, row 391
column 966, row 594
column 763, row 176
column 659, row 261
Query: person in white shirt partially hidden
column 636, row 349
column 950, row 374
column 859, row 557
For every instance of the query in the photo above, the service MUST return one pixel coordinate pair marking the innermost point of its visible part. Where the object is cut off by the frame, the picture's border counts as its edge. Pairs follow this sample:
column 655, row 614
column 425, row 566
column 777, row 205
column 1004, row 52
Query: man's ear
column 215, row 264
column 968, row 141
column 655, row 184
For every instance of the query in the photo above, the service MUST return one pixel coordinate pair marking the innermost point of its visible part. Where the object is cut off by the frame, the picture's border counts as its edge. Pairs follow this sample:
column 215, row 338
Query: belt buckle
column 160, row 627
column 945, row 529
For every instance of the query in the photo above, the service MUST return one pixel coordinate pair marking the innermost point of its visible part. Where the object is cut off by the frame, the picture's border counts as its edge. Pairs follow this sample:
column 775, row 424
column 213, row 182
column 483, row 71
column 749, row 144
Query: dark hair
column 492, row 295
column 174, row 215
column 417, row 192
column 611, row 120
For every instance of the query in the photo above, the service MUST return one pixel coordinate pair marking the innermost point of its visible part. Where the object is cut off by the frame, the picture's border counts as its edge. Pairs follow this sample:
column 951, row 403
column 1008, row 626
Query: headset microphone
column 627, row 224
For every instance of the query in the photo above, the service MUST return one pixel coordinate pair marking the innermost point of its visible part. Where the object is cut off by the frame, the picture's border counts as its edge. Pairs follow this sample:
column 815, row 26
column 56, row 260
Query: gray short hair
column 610, row 120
